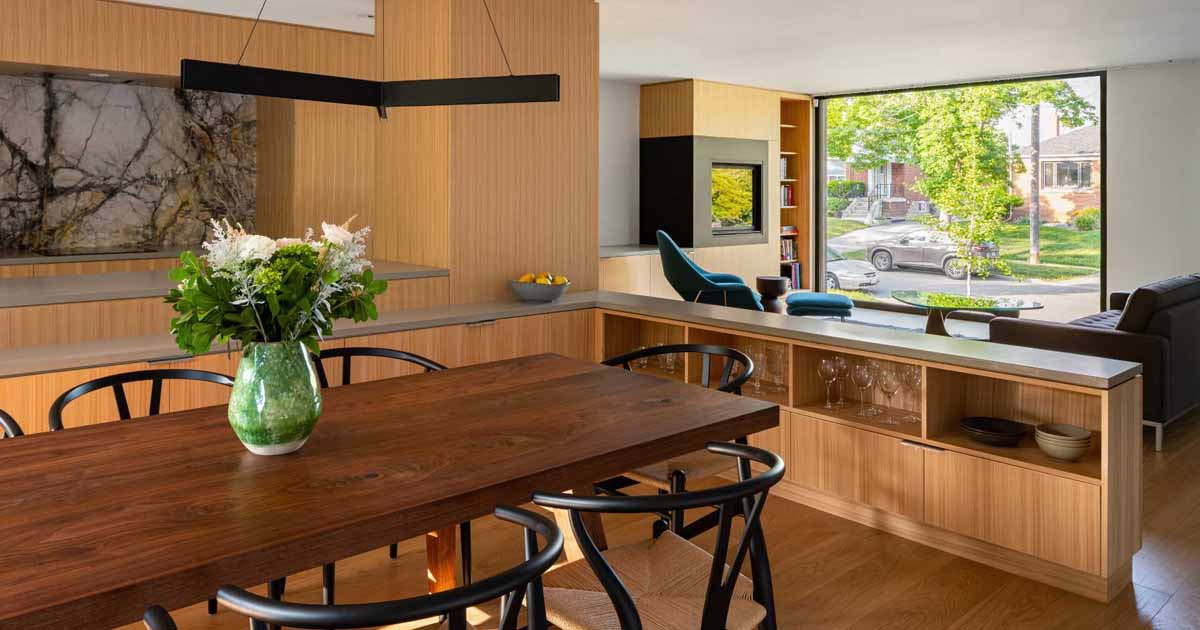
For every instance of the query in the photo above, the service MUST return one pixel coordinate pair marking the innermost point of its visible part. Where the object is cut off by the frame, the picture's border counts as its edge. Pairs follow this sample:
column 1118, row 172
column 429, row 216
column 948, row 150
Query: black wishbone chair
column 521, row 582
column 328, row 574
column 8, row 426
column 672, row 475
column 730, row 600
column 118, row 381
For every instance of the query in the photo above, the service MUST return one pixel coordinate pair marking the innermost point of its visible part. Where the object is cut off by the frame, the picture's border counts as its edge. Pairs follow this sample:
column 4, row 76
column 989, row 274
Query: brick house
column 1070, row 177
column 893, row 185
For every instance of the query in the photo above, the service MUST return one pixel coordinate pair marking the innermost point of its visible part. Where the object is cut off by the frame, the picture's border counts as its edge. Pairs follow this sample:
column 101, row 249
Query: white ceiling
column 826, row 47
column 355, row 16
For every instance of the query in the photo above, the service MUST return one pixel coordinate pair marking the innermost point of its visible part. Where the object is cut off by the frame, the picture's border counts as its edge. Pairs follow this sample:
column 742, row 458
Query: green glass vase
column 276, row 398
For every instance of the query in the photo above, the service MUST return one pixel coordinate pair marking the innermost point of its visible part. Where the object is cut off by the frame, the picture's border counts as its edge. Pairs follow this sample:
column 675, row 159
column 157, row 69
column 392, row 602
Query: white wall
column 619, row 147
column 1153, row 173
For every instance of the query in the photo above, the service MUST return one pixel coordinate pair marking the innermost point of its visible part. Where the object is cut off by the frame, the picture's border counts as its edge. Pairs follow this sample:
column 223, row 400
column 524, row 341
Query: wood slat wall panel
column 666, row 109
column 28, row 398
column 416, row 293
column 142, row 40
column 524, row 192
column 275, row 193
column 103, row 266
column 413, row 145
column 16, row 271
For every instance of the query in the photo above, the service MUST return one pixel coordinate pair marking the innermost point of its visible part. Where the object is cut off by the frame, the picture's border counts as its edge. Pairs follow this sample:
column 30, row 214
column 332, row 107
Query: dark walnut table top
column 99, row 522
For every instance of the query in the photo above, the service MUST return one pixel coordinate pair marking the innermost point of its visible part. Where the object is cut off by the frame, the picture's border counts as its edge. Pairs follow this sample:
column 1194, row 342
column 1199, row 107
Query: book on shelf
column 787, row 249
column 783, row 166
column 785, row 195
column 788, row 230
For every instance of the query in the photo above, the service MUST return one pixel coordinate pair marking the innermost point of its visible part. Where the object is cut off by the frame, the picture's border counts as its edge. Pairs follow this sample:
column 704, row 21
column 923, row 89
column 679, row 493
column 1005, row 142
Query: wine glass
column 666, row 360
column 876, row 368
column 910, row 376
column 863, row 379
column 642, row 362
column 843, row 375
column 760, row 365
column 828, row 372
column 889, row 384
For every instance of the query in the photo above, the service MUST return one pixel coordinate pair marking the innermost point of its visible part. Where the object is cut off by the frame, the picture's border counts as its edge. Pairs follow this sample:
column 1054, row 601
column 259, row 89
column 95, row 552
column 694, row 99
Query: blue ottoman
column 827, row 304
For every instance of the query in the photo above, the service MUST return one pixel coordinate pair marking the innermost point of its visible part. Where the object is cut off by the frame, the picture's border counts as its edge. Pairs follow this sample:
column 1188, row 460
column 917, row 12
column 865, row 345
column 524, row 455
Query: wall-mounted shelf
column 787, row 126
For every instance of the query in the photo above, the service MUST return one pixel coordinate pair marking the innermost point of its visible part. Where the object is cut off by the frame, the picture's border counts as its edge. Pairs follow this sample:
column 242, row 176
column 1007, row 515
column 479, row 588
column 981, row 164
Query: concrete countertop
column 141, row 284
column 30, row 258
column 619, row 251
column 1040, row 364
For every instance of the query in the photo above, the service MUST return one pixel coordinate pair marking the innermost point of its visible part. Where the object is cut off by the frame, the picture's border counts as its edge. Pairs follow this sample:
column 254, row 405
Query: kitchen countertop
column 619, row 251
column 1039, row 364
column 141, row 284
column 30, row 258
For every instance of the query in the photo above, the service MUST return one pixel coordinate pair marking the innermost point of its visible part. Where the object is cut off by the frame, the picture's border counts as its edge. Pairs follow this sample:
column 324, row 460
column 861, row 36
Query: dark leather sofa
column 1158, row 325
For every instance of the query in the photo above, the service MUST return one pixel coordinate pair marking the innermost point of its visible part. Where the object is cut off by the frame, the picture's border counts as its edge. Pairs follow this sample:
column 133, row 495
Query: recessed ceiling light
column 99, row 75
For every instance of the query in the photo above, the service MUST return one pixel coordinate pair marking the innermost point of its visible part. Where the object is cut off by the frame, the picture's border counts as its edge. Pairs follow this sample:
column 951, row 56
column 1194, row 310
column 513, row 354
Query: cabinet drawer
column 861, row 466
column 1043, row 515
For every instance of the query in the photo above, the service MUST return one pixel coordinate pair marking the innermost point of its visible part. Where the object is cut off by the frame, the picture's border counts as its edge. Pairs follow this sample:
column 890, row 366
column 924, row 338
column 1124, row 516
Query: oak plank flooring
column 824, row 576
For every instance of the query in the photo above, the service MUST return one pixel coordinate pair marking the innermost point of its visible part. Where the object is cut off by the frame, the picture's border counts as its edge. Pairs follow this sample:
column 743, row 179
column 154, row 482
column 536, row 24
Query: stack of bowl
column 1064, row 442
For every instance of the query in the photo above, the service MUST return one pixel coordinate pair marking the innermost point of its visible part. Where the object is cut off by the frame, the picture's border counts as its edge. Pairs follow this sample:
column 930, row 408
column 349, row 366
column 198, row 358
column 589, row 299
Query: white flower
column 284, row 242
column 337, row 235
column 255, row 247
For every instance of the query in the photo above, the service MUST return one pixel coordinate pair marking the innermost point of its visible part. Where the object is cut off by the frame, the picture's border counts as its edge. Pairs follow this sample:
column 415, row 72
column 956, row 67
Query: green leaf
column 312, row 344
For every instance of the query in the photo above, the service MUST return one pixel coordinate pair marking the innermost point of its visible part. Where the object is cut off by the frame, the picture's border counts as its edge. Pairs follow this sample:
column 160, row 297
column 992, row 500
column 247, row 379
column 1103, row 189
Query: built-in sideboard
column 1071, row 525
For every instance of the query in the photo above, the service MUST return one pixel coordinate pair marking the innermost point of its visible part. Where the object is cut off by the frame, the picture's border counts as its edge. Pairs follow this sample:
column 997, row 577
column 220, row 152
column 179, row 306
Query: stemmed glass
column 828, row 372
column 889, row 384
column 875, row 367
column 754, row 349
column 666, row 361
column 643, row 362
column 863, row 379
column 843, row 374
column 777, row 363
column 910, row 376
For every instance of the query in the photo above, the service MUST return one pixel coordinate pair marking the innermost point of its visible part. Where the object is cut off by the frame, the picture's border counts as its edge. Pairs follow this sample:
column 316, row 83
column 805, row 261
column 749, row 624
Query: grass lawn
column 835, row 227
column 1066, row 253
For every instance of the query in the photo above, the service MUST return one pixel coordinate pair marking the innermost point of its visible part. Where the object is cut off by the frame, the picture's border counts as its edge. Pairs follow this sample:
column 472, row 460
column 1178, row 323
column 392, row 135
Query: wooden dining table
column 99, row 522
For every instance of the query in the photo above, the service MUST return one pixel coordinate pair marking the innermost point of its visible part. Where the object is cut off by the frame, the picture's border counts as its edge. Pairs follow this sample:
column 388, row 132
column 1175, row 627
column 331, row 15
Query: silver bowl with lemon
column 540, row 287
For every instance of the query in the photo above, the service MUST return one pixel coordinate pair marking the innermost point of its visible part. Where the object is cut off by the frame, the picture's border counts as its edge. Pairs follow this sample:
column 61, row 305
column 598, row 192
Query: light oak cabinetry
column 1040, row 514
column 1074, row 525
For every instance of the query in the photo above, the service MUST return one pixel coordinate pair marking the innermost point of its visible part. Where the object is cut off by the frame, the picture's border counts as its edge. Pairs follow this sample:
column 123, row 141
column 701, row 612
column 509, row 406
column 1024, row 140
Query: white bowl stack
column 1065, row 442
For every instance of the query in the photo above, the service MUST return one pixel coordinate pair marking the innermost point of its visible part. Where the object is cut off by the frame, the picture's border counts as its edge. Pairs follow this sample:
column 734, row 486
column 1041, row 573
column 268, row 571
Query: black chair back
column 347, row 354
column 9, row 426
column 522, row 581
column 729, row 381
column 745, row 498
column 118, row 381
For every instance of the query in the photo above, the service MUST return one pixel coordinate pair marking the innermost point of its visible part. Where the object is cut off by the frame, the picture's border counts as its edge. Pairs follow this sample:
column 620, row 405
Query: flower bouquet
column 278, row 298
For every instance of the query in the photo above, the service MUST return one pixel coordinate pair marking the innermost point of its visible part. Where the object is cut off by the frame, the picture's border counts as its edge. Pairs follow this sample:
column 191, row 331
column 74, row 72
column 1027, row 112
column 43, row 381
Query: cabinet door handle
column 489, row 322
column 175, row 359
column 923, row 447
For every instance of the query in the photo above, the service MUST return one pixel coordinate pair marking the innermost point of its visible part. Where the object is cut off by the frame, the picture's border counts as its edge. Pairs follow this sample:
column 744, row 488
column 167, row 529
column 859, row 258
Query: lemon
column 560, row 280
column 542, row 280
column 526, row 278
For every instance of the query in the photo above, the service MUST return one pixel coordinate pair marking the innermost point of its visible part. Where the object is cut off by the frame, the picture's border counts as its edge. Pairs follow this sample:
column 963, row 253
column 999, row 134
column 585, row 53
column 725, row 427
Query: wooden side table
column 772, row 288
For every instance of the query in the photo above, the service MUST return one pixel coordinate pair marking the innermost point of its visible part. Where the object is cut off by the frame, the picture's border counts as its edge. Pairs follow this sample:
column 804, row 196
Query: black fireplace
column 703, row 191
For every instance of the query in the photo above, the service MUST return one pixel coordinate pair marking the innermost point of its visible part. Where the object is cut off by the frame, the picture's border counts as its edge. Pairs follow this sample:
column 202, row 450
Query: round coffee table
column 939, row 305
column 772, row 288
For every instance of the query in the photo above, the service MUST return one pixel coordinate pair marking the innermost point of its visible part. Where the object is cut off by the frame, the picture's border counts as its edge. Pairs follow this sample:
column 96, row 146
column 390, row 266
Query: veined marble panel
column 91, row 165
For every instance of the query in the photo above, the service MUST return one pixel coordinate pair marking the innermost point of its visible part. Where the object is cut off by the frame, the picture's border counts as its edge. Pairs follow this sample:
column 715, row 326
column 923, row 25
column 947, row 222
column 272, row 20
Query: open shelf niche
column 626, row 334
column 771, row 368
column 795, row 115
column 957, row 395
column 809, row 394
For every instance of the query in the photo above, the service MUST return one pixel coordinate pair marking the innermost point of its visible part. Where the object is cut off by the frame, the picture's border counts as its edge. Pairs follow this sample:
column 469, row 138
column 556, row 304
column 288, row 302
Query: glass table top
column 953, row 301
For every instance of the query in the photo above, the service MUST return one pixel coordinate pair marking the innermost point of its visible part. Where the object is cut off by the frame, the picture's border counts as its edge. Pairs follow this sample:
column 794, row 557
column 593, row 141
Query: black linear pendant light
column 238, row 79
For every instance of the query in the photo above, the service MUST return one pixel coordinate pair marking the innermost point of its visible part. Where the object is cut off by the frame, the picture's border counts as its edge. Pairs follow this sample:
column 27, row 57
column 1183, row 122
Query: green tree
column 732, row 196
column 952, row 134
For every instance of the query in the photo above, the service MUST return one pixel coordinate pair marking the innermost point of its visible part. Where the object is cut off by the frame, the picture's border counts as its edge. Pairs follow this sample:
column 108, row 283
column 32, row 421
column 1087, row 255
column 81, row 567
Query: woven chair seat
column 696, row 465
column 667, row 579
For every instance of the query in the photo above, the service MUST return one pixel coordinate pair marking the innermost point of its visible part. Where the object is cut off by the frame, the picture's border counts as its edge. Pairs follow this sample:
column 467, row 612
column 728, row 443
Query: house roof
column 1082, row 141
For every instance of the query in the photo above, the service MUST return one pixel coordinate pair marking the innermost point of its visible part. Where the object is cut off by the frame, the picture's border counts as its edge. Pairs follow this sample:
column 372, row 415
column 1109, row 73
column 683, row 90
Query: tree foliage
column 732, row 196
column 953, row 136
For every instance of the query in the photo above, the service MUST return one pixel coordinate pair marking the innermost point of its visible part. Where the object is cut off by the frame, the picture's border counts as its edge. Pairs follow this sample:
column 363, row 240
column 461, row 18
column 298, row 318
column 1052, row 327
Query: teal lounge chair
column 697, row 285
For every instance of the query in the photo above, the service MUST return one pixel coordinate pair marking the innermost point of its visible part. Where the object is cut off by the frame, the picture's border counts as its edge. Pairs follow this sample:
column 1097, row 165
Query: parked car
column 926, row 248
column 843, row 273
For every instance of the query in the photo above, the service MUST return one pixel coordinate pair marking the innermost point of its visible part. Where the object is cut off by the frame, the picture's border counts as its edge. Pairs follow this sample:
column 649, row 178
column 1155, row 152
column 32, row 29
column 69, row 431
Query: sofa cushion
column 819, row 304
column 1106, row 320
column 1151, row 298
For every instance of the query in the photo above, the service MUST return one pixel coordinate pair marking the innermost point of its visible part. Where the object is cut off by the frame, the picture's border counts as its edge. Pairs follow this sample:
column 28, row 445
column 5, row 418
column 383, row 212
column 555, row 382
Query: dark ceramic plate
column 993, row 431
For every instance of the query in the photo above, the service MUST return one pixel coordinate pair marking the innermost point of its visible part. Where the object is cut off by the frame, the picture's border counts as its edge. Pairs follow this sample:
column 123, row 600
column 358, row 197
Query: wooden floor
column 832, row 573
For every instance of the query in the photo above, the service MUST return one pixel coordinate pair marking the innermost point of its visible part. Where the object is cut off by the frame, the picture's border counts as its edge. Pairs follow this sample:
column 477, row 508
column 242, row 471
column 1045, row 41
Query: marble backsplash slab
column 89, row 165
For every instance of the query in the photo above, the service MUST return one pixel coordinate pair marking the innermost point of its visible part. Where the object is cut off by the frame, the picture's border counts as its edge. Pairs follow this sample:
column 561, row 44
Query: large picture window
column 988, row 190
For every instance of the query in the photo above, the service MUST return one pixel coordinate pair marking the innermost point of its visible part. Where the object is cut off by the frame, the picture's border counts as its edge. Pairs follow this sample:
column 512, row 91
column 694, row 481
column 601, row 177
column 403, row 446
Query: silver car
column 843, row 273
column 928, row 249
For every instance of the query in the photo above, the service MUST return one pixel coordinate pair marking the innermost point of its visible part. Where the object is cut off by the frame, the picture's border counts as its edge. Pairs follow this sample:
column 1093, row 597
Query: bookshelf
column 795, row 172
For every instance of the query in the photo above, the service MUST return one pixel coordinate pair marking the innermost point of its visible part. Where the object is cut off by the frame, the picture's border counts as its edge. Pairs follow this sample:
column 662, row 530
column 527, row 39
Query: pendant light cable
column 252, row 29
column 497, row 34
